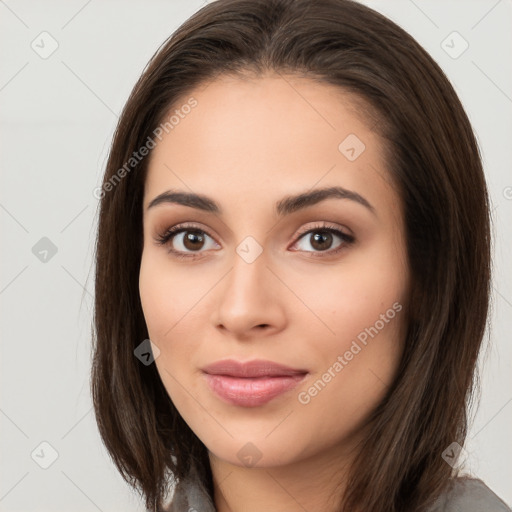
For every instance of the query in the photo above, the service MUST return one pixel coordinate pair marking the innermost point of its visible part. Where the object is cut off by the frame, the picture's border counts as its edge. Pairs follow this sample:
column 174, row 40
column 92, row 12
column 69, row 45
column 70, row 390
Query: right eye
column 185, row 240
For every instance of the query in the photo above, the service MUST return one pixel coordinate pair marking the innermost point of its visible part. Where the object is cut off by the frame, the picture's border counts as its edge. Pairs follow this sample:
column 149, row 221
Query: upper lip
column 248, row 369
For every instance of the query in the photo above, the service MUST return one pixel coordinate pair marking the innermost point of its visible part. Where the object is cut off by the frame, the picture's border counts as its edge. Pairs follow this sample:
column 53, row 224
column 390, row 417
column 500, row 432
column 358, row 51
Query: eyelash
column 169, row 234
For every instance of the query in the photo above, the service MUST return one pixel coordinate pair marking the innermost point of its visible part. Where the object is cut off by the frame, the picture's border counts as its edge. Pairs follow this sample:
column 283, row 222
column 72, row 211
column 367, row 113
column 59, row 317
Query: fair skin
column 248, row 143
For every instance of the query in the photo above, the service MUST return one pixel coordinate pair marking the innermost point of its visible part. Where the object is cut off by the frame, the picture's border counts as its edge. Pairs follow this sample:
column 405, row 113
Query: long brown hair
column 436, row 167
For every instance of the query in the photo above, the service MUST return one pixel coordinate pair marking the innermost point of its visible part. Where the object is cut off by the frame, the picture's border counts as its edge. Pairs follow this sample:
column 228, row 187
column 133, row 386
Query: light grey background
column 58, row 115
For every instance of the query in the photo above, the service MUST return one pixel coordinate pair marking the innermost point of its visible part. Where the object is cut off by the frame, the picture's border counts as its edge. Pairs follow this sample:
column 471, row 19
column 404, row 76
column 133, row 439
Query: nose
column 249, row 300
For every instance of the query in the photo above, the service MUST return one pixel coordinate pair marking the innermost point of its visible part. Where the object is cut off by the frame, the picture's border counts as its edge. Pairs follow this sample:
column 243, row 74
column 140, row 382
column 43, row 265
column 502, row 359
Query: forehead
column 272, row 134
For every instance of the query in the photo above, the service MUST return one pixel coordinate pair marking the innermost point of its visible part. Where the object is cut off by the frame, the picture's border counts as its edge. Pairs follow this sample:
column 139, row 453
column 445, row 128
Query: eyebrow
column 285, row 206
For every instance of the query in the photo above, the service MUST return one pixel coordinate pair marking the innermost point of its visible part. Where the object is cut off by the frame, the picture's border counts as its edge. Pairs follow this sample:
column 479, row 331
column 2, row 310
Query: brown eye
column 193, row 240
column 184, row 241
column 322, row 238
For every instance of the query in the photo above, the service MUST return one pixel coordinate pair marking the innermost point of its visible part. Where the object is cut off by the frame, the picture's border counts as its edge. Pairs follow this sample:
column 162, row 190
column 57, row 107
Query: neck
column 317, row 483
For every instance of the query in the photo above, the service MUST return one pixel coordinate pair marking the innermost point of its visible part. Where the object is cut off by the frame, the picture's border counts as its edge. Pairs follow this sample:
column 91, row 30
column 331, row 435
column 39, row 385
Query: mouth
column 252, row 383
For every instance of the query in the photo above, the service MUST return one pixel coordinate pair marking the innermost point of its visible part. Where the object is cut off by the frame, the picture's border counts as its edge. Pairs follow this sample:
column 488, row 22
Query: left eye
column 321, row 239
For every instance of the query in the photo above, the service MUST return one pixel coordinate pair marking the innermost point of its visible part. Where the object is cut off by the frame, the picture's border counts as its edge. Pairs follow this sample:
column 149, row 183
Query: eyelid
column 325, row 225
column 168, row 233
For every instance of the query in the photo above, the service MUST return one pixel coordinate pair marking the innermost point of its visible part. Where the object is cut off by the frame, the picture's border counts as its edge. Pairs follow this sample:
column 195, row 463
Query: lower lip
column 251, row 392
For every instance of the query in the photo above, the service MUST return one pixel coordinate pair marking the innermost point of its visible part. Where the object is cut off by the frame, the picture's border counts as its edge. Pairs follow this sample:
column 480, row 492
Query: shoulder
column 469, row 495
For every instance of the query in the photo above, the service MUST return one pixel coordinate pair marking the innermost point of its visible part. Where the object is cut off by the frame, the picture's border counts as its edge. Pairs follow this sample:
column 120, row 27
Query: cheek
column 354, row 366
column 171, row 303
column 167, row 296
column 349, row 302
column 363, row 315
column 163, row 307
column 155, row 302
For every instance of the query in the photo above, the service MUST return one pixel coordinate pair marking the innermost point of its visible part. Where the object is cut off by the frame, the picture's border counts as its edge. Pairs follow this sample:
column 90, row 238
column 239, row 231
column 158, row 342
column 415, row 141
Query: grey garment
column 464, row 495
column 190, row 496
column 469, row 495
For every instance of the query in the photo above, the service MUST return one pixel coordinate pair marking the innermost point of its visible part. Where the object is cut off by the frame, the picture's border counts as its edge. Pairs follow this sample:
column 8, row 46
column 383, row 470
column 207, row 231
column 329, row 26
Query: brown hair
column 436, row 167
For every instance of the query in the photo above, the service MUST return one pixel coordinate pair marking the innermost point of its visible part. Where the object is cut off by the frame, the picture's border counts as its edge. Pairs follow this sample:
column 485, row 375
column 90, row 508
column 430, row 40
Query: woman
column 294, row 212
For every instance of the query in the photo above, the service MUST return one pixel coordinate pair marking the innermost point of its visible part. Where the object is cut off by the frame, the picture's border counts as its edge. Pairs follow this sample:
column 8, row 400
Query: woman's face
column 318, row 284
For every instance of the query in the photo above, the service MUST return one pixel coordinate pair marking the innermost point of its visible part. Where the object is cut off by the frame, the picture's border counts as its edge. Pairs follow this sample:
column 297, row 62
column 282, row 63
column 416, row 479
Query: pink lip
column 252, row 383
